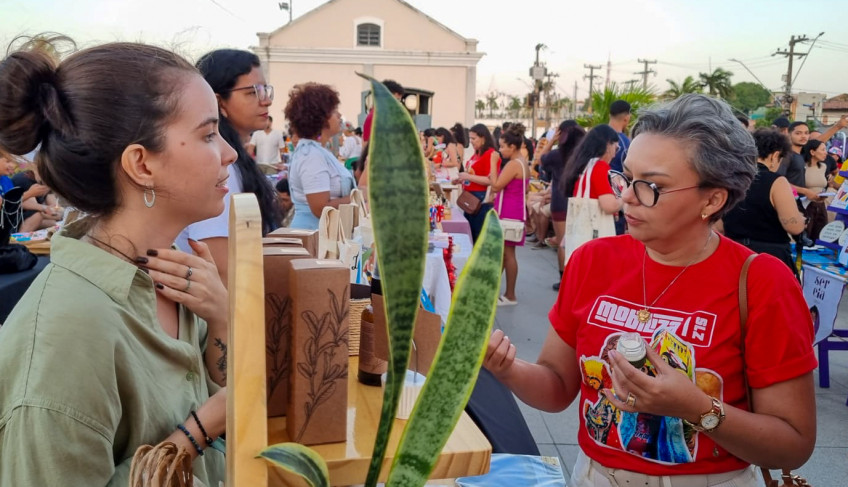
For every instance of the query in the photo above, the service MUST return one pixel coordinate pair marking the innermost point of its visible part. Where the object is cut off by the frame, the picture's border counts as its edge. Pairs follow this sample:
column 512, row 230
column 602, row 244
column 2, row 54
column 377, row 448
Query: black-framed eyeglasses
column 647, row 193
column 262, row 92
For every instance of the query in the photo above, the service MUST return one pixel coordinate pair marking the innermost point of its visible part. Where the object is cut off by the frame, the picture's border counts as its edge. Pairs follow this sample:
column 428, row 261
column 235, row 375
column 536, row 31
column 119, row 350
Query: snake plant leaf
column 457, row 363
column 299, row 460
column 399, row 197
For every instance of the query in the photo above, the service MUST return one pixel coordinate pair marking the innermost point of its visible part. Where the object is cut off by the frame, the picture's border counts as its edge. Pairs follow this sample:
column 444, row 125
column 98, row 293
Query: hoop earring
column 149, row 203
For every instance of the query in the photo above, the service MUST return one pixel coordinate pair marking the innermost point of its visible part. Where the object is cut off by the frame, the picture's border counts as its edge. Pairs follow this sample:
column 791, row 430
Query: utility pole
column 645, row 72
column 790, row 54
column 538, row 73
column 609, row 68
column 286, row 6
column 548, row 86
column 591, row 77
column 629, row 83
column 574, row 102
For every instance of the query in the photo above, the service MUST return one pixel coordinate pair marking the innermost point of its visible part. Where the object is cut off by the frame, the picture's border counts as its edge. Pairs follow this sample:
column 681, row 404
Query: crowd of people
column 687, row 195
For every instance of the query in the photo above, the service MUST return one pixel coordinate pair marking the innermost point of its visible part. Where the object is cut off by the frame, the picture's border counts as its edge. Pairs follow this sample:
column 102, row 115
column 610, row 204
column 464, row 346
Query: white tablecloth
column 436, row 283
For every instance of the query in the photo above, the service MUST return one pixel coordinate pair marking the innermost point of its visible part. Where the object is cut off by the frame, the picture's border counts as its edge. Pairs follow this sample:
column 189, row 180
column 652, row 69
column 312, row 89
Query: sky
column 684, row 37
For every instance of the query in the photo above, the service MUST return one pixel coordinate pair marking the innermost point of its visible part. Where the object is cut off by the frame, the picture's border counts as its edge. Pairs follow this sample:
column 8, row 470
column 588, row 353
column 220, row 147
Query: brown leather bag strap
column 743, row 320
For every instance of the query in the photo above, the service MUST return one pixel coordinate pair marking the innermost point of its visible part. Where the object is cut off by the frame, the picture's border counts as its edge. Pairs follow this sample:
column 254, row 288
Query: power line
column 225, row 9
column 808, row 52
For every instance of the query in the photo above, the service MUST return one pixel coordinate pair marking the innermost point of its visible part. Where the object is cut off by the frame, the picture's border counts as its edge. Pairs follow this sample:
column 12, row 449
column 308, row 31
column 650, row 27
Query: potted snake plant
column 398, row 191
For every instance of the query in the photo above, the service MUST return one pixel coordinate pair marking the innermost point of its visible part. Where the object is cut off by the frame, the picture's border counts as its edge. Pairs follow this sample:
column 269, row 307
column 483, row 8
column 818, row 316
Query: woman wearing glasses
column 682, row 417
column 316, row 178
column 243, row 100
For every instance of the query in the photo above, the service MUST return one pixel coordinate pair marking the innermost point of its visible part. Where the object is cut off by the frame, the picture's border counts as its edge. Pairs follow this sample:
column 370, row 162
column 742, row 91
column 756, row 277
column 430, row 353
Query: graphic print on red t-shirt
column 659, row 438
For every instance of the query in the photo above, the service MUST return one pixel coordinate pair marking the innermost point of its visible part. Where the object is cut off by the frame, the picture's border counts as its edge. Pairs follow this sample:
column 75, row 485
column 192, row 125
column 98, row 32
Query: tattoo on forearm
column 221, row 363
column 789, row 221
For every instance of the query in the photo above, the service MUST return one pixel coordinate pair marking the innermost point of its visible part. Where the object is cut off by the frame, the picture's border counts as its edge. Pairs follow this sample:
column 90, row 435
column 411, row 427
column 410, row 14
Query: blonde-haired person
column 120, row 341
column 683, row 420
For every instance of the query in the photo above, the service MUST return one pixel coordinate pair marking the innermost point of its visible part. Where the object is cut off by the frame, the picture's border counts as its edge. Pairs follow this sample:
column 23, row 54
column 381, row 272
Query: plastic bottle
column 632, row 347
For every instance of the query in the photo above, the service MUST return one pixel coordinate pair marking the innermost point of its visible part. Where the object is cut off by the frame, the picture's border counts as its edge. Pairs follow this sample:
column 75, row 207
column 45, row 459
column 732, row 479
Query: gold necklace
column 644, row 315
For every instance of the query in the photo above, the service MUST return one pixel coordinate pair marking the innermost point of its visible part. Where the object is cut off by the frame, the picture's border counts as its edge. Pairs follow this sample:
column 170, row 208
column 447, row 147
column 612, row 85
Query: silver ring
column 188, row 285
column 631, row 400
column 189, row 272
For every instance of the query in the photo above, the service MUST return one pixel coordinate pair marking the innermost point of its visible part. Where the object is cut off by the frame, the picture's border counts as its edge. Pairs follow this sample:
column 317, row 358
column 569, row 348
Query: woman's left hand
column 191, row 280
column 670, row 393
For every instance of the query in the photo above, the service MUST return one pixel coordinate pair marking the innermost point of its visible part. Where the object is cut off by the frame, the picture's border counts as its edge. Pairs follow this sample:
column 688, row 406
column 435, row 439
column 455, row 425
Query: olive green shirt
column 87, row 374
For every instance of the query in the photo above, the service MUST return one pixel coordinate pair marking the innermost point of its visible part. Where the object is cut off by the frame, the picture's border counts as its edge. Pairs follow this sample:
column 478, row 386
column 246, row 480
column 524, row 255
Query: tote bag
column 513, row 230
column 585, row 220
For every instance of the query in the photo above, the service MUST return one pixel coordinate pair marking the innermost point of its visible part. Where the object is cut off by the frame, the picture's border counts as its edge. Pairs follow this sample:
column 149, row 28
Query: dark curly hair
column 310, row 106
column 770, row 141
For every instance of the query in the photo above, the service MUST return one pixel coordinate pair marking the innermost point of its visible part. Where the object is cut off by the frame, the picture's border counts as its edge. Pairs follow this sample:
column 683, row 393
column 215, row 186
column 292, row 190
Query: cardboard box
column 317, row 407
column 278, row 320
column 282, row 241
column 427, row 336
column 309, row 238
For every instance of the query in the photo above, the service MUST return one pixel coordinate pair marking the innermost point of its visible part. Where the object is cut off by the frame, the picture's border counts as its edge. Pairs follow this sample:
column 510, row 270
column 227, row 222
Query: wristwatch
column 711, row 419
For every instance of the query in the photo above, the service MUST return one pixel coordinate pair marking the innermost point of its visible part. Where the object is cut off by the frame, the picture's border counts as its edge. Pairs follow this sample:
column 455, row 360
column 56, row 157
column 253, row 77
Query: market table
column 456, row 223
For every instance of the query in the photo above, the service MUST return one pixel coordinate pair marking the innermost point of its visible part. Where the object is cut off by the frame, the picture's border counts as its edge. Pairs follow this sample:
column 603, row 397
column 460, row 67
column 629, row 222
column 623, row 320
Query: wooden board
column 466, row 453
column 246, row 404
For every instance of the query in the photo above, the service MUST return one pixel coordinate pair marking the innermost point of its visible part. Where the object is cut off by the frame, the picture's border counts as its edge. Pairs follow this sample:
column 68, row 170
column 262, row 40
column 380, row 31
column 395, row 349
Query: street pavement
column 556, row 434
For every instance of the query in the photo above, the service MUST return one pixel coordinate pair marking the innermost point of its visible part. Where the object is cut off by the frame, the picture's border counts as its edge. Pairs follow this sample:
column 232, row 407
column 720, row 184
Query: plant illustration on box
column 279, row 324
column 326, row 336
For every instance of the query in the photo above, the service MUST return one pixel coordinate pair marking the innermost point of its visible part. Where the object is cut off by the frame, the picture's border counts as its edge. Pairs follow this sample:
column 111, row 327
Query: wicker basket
column 355, row 318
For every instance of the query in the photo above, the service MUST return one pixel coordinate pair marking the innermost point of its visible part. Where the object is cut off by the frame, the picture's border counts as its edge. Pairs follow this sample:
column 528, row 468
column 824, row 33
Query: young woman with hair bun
column 121, row 341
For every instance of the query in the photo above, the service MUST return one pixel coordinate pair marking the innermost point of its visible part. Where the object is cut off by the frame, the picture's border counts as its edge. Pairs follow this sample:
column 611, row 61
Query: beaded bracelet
column 191, row 438
column 206, row 436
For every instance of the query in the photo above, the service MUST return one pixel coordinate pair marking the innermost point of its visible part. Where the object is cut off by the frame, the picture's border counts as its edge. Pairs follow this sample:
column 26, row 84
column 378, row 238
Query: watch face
column 709, row 421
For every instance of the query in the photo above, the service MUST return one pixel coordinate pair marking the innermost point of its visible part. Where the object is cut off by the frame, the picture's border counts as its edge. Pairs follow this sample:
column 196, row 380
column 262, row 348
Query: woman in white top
column 316, row 178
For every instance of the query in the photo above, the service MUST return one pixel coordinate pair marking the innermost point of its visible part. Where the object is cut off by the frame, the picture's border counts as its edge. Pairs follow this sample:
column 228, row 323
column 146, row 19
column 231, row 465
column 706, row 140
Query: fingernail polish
column 152, row 252
column 144, row 270
column 141, row 260
column 159, row 285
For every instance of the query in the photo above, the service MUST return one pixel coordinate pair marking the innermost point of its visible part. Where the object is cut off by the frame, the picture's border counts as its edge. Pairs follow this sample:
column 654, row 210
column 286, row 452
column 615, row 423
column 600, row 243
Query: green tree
column 748, row 96
column 480, row 106
column 717, row 83
column 514, row 106
column 768, row 118
column 675, row 90
column 492, row 103
column 601, row 101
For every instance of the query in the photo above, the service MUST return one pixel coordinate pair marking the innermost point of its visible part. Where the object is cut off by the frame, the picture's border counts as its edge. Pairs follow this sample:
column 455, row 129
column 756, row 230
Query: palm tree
column 675, row 90
column 601, row 101
column 718, row 82
column 492, row 103
column 514, row 106
column 480, row 105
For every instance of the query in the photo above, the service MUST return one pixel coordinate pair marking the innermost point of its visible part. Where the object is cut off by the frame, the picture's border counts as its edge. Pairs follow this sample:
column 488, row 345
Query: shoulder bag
column 789, row 479
column 513, row 230
column 585, row 220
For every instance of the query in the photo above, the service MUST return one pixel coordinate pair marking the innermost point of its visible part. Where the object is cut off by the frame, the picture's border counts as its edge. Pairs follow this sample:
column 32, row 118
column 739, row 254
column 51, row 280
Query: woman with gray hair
column 668, row 292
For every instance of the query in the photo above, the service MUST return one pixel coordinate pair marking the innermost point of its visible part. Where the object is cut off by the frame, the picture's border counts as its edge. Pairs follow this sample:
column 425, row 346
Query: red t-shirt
column 598, row 181
column 696, row 323
column 479, row 165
